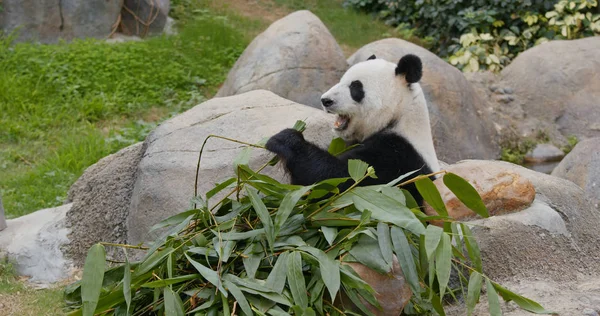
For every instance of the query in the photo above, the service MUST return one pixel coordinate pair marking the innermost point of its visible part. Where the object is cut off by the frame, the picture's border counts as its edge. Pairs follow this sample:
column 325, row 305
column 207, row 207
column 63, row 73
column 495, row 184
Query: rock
column 392, row 290
column 501, row 190
column 582, row 166
column 165, row 177
column 460, row 123
column 557, row 84
column 2, row 218
column 34, row 243
column 296, row 58
column 48, row 21
column 544, row 153
column 100, row 199
column 144, row 17
column 556, row 238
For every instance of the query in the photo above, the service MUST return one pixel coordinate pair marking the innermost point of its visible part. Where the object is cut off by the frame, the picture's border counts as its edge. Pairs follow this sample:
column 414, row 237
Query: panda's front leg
column 306, row 162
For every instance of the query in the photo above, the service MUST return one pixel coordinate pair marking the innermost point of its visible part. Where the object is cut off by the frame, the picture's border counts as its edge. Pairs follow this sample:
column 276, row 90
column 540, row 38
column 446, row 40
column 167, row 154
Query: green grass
column 18, row 299
column 63, row 107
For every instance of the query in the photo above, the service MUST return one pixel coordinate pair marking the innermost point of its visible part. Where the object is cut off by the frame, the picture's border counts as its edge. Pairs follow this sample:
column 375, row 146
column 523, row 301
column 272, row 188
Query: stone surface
column 501, row 190
column 47, row 21
column 556, row 238
column 544, row 153
column 165, row 181
column 556, row 84
column 461, row 126
column 2, row 218
column 144, row 17
column 392, row 290
column 296, row 58
column 34, row 243
column 582, row 166
column 100, row 199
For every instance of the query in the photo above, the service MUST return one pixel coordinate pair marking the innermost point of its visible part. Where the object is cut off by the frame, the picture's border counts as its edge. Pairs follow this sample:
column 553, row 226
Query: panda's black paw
column 286, row 142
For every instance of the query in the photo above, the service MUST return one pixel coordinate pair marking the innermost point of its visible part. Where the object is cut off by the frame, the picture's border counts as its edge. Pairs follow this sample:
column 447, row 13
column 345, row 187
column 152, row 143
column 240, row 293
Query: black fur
column 388, row 153
column 411, row 67
column 372, row 57
column 356, row 91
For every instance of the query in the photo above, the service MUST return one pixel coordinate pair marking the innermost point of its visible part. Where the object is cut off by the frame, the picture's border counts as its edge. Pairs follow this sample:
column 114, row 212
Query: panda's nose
column 327, row 102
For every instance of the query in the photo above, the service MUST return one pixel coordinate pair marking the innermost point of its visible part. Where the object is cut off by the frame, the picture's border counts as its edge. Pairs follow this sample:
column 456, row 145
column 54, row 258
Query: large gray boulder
column 582, row 166
column 47, row 21
column 34, row 241
column 296, row 58
column 554, row 88
column 460, row 123
column 548, row 251
column 144, row 17
column 165, row 177
column 100, row 203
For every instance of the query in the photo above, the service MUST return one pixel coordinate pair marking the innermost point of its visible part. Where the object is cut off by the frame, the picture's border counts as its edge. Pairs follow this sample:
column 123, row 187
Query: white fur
column 387, row 97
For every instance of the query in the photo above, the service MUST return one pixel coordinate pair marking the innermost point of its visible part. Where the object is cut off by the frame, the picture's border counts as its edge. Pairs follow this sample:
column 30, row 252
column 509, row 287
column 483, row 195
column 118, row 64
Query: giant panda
column 379, row 106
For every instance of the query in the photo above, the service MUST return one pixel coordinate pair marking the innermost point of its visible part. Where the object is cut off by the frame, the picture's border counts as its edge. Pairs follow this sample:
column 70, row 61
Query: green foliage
column 65, row 106
column 488, row 34
column 279, row 251
column 571, row 142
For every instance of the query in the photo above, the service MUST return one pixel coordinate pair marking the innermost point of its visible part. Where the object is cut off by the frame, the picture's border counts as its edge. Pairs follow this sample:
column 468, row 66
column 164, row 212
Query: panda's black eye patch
column 356, row 90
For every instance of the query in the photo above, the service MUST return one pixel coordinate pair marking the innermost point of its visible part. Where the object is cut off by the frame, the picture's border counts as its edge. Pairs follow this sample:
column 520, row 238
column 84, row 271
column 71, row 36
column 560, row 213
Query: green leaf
column 93, row 275
column 276, row 279
column 433, row 234
column 243, row 158
column 472, row 248
column 300, row 126
column 220, row 187
column 240, row 236
column 296, row 279
column 473, row 292
column 210, row 275
column 263, row 215
column 330, row 269
column 405, row 258
column 173, row 220
column 385, row 243
column 493, row 301
column 394, row 193
column 337, row 146
column 367, row 252
column 430, row 193
column 254, row 255
column 386, row 209
column 127, row 283
column 465, row 192
column 523, row 302
column 357, row 169
column 402, row 177
column 287, row 206
column 443, row 263
column 166, row 282
column 173, row 304
column 239, row 297
column 330, row 233
column 152, row 261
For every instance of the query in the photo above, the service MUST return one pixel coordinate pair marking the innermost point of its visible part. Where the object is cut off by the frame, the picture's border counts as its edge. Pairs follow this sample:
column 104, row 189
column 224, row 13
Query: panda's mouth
column 341, row 123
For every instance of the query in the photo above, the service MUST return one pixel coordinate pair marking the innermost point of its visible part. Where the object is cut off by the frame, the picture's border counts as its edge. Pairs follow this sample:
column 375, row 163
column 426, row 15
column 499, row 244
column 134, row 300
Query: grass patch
column 65, row 106
column 18, row 299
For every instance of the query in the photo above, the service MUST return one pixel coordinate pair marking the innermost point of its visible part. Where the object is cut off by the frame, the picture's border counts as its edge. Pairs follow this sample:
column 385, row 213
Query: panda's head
column 373, row 95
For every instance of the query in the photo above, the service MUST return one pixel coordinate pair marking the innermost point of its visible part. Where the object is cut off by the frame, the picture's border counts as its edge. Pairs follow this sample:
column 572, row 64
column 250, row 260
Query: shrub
column 279, row 250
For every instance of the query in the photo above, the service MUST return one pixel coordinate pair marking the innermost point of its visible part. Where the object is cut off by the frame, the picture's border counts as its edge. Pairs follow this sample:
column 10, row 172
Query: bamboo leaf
column 493, row 301
column 152, row 261
column 465, row 192
column 443, row 263
column 93, row 275
column 210, row 275
column 330, row 233
column 239, row 297
column 287, row 206
column 430, row 193
column 523, row 302
column 173, row 304
column 263, row 215
column 367, row 252
column 330, row 270
column 166, row 282
column 405, row 259
column 127, row 283
column 252, row 260
column 474, row 291
column 472, row 248
column 218, row 188
column 357, row 169
column 337, row 146
column 173, row 220
column 433, row 234
column 243, row 158
column 385, row 242
column 296, row 279
column 277, row 277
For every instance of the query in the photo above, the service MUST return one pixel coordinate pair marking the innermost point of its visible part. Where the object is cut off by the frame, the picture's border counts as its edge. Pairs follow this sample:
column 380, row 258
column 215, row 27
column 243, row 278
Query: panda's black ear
column 411, row 67
column 372, row 57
